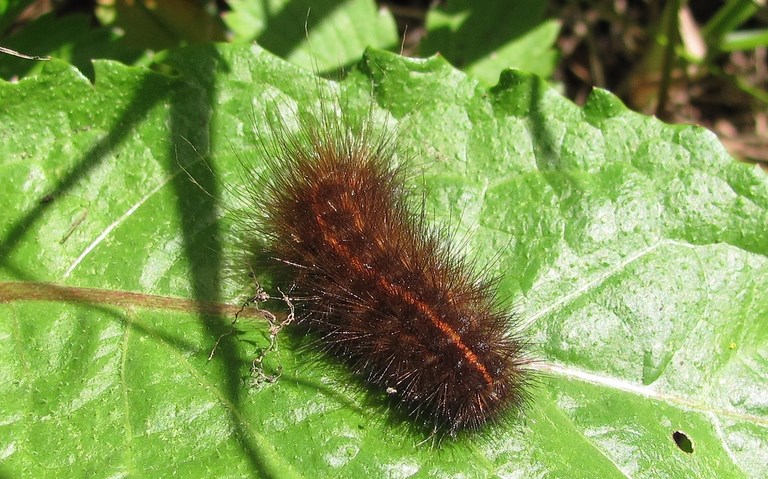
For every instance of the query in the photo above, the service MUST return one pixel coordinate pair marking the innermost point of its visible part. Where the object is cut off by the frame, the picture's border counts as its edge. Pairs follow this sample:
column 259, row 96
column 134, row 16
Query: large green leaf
column 635, row 252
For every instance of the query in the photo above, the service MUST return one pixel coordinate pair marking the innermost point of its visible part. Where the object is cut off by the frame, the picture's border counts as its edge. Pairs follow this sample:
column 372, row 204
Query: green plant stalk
column 669, row 27
column 727, row 19
column 745, row 40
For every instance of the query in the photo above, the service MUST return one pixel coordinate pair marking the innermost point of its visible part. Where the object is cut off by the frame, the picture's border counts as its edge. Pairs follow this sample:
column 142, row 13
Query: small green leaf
column 317, row 35
column 486, row 38
column 70, row 38
column 9, row 10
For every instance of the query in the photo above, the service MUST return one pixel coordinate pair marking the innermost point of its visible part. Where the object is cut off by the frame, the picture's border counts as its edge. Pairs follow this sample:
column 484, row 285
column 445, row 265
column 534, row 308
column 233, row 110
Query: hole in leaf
column 683, row 441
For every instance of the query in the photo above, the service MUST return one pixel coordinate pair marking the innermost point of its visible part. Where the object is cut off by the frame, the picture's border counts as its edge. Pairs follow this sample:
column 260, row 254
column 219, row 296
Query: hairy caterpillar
column 380, row 289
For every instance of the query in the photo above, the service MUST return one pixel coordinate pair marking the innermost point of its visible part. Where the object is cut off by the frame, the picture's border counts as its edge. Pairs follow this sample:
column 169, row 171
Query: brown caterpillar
column 381, row 290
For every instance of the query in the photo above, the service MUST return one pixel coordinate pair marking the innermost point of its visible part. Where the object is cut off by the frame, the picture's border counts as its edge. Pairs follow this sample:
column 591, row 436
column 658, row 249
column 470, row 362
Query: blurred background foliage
column 686, row 62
